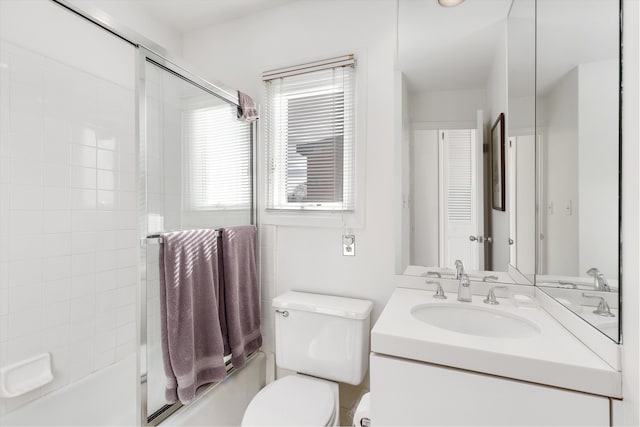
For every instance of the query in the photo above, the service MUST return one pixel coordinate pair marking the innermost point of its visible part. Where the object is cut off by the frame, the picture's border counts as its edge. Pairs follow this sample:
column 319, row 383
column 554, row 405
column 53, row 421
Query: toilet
column 325, row 340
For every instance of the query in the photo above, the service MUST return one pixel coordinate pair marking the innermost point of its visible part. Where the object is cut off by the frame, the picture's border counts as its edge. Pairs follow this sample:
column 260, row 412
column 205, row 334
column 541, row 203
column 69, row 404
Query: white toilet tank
column 322, row 335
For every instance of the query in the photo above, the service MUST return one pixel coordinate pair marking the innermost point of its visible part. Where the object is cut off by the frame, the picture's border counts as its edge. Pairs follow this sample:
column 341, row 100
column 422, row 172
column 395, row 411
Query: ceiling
column 189, row 15
column 449, row 48
column 453, row 48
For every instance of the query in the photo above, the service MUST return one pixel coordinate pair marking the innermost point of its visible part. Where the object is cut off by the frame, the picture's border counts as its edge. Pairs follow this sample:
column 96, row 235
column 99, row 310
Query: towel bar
column 158, row 237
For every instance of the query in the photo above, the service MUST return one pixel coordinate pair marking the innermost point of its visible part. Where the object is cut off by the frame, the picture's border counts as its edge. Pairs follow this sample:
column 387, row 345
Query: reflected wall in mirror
column 577, row 120
column 521, row 173
column 454, row 65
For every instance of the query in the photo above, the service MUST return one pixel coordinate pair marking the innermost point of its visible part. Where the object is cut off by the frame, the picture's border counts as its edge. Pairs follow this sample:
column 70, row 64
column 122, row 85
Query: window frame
column 276, row 200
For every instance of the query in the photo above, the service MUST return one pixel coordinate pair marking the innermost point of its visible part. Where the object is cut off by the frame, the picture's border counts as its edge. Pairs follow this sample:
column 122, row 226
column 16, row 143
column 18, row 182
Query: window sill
column 308, row 218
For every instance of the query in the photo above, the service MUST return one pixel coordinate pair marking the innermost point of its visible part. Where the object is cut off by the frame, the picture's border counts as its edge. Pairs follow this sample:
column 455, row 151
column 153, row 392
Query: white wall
column 630, row 215
column 403, row 244
column 68, row 238
column 580, row 160
column 308, row 257
column 424, row 198
column 525, row 203
column 446, row 106
column 496, row 104
column 132, row 15
column 560, row 141
column 521, row 115
column 598, row 167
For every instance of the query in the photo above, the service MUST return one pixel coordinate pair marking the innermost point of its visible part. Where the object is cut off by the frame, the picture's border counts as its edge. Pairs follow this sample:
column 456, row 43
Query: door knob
column 489, row 239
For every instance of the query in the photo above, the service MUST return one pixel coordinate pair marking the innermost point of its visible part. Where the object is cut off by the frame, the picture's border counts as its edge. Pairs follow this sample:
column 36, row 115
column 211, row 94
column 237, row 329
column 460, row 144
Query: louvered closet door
column 459, row 198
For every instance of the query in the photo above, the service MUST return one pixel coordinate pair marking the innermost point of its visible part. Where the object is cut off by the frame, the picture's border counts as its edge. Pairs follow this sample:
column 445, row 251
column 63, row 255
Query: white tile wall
column 68, row 239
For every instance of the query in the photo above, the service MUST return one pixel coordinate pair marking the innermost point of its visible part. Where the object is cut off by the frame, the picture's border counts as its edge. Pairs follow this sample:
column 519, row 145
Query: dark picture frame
column 497, row 164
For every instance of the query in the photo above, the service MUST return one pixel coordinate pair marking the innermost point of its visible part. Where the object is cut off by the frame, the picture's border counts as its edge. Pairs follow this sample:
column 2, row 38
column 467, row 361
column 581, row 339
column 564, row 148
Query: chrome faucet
column 464, row 289
column 491, row 296
column 600, row 282
column 459, row 270
column 603, row 308
column 439, row 291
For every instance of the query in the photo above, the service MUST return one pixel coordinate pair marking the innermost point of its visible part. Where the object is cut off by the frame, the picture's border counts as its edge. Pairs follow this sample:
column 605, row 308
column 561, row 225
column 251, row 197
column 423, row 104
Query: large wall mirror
column 510, row 146
column 453, row 62
column 578, row 132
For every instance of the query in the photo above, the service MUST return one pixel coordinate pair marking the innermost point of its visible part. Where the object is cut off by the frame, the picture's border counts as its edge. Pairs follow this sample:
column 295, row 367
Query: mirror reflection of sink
column 473, row 320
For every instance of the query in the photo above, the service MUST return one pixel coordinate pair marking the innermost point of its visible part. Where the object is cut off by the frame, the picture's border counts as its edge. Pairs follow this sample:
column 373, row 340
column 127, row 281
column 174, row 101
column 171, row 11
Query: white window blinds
column 310, row 136
column 218, row 151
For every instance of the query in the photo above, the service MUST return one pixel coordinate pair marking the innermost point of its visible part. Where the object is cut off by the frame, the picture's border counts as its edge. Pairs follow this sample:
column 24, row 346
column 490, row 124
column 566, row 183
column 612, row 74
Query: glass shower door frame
column 147, row 56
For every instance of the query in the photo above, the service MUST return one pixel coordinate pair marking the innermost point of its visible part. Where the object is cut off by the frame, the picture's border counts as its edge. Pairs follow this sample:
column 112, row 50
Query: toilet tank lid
column 325, row 304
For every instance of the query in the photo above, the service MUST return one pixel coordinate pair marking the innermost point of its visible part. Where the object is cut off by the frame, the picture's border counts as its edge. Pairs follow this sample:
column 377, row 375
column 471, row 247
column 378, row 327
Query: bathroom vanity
column 444, row 362
column 524, row 194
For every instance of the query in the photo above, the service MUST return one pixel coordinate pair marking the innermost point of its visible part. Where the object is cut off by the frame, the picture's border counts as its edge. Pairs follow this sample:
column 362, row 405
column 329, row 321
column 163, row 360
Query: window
column 218, row 150
column 310, row 136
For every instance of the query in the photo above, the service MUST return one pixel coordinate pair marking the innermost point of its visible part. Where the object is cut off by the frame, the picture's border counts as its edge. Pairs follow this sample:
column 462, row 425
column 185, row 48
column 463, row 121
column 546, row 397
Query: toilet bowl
column 295, row 400
column 325, row 340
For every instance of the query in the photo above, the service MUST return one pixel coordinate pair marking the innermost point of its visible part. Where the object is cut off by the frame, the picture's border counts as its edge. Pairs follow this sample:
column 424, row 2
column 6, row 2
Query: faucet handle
column 491, row 296
column 439, row 291
column 603, row 308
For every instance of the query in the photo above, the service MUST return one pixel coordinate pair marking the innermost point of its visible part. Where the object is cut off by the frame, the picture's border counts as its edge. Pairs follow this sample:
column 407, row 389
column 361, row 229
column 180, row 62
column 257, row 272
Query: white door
column 460, row 198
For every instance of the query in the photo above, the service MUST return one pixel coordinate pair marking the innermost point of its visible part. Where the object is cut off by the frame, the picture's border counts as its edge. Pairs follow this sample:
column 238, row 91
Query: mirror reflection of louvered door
column 459, row 199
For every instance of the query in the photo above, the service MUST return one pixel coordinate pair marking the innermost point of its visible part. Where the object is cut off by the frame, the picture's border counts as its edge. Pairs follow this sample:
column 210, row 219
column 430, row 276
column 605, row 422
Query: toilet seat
column 293, row 400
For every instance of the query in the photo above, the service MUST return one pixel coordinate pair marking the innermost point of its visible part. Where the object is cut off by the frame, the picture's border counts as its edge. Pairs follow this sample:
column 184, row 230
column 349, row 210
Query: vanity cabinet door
column 405, row 392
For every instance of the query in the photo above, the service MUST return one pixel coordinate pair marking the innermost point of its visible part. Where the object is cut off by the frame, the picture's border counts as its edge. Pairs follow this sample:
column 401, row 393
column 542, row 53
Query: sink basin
column 474, row 320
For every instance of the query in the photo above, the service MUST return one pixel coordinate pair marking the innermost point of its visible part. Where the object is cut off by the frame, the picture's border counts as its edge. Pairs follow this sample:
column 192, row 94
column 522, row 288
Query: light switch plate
column 348, row 244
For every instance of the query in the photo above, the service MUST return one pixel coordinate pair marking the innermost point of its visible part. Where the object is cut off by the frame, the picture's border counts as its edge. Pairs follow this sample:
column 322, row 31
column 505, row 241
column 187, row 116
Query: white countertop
column 554, row 357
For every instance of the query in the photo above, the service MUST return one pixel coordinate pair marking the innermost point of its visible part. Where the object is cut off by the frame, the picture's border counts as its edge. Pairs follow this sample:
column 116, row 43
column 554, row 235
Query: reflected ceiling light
column 449, row 3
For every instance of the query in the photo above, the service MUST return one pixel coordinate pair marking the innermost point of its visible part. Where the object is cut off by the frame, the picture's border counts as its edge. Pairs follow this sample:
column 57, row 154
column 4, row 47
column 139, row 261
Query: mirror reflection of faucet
column 600, row 282
column 603, row 308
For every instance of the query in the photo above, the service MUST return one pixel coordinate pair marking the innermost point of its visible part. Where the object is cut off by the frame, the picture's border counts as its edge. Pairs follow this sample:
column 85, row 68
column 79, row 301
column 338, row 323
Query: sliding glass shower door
column 196, row 172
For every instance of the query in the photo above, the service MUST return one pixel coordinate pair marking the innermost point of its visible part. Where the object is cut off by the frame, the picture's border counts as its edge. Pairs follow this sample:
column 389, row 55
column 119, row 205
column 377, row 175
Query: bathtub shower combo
column 102, row 154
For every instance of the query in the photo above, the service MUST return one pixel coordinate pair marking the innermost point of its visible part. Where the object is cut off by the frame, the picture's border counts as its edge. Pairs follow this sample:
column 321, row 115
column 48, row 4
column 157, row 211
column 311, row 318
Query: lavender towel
column 241, row 293
column 192, row 344
column 247, row 110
